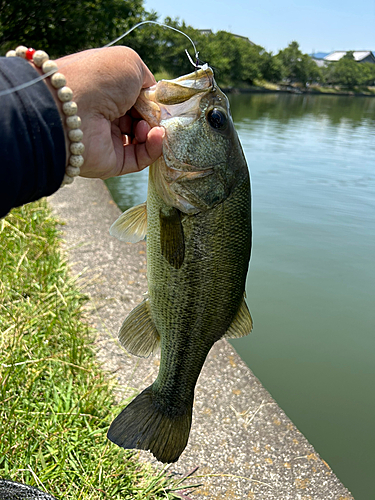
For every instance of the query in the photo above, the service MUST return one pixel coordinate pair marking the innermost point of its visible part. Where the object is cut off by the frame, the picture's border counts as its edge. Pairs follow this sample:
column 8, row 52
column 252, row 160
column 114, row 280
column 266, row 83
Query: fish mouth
column 171, row 98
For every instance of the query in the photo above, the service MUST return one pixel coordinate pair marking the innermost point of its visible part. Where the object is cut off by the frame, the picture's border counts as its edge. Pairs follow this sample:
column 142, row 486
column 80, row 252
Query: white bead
column 77, row 148
column 76, row 160
column 72, row 171
column 49, row 66
column 75, row 135
column 40, row 57
column 65, row 94
column 58, row 80
column 11, row 53
column 67, row 180
column 73, row 121
column 21, row 51
column 70, row 108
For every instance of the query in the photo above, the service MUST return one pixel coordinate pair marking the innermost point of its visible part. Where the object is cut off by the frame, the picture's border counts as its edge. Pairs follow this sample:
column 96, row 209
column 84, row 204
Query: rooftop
column 358, row 55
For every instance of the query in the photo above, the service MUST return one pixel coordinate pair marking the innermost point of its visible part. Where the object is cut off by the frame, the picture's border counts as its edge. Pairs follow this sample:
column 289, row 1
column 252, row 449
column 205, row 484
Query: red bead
column 29, row 54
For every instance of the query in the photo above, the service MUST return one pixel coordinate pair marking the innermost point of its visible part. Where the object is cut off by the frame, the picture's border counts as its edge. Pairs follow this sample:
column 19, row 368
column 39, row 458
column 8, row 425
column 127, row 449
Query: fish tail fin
column 144, row 425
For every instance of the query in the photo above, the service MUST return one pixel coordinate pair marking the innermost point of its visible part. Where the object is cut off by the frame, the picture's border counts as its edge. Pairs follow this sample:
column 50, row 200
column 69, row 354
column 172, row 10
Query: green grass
column 55, row 402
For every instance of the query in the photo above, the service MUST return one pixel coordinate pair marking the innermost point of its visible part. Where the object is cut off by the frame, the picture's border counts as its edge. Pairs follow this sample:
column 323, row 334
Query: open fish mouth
column 175, row 98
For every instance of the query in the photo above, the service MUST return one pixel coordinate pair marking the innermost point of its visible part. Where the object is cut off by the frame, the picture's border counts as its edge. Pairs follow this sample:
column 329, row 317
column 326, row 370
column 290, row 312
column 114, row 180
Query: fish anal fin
column 172, row 240
column 138, row 333
column 131, row 226
column 242, row 323
column 144, row 425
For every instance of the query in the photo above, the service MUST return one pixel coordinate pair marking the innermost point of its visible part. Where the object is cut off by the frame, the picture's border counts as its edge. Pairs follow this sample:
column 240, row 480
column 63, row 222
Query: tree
column 64, row 26
column 368, row 73
column 234, row 59
column 345, row 72
column 271, row 67
column 298, row 67
column 172, row 47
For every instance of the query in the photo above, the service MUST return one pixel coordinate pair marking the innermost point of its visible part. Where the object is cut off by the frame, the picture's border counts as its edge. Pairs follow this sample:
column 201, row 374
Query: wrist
column 59, row 106
column 63, row 96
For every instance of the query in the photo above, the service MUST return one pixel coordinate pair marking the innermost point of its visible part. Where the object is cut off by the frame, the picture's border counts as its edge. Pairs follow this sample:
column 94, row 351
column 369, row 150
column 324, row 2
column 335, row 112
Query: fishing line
column 42, row 77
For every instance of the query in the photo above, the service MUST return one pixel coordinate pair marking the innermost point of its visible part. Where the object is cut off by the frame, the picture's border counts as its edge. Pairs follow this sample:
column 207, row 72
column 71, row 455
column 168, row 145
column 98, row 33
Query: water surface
column 311, row 284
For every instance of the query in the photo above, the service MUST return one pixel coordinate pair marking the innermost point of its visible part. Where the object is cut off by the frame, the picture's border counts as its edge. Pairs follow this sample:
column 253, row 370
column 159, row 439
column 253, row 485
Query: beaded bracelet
column 69, row 107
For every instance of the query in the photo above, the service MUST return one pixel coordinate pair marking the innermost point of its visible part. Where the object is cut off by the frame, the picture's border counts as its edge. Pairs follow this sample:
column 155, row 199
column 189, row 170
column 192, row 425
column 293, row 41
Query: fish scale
column 187, row 313
column 198, row 227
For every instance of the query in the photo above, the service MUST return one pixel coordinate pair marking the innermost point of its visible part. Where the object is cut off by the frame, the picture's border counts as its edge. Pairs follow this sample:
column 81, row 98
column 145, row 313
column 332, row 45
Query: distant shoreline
column 295, row 91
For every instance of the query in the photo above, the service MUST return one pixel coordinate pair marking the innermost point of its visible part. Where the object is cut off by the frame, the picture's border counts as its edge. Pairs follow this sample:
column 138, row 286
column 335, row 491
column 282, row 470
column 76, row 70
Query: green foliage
column 368, row 73
column 172, row 45
column 271, row 67
column 349, row 73
column 234, row 59
column 146, row 40
column 349, row 55
column 56, row 403
column 298, row 67
column 64, row 26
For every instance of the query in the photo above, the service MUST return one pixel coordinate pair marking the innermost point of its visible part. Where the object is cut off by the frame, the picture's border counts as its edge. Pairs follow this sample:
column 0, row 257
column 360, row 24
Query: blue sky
column 317, row 25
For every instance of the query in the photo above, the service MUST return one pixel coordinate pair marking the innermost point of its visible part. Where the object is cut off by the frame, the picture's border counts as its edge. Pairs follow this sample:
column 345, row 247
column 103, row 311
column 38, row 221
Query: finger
column 152, row 148
column 134, row 113
column 125, row 124
column 141, row 129
column 148, row 78
column 139, row 156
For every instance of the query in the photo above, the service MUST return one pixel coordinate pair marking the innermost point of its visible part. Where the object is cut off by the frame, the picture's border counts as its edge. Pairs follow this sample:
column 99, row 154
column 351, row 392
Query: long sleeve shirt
column 32, row 143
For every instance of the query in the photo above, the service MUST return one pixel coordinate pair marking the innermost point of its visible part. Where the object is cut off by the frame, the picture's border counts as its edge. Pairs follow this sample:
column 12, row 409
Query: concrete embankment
column 243, row 443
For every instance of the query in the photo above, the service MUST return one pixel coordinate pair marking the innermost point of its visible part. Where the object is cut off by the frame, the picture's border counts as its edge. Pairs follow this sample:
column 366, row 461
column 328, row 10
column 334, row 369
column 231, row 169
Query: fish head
column 202, row 157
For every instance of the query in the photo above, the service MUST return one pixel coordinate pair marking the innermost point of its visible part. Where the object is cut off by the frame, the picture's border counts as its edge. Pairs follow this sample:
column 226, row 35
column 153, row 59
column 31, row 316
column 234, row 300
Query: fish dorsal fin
column 242, row 323
column 172, row 240
column 138, row 333
column 131, row 226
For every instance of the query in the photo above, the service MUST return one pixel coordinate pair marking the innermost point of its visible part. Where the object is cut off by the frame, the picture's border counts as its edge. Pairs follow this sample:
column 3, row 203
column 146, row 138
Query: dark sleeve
column 32, row 143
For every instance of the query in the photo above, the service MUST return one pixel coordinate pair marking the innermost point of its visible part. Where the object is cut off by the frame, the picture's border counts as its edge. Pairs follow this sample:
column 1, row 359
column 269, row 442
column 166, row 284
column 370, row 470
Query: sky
column 317, row 25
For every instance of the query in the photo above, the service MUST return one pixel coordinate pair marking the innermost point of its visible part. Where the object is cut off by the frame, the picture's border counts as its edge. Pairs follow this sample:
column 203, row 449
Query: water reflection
column 311, row 284
column 129, row 190
column 285, row 107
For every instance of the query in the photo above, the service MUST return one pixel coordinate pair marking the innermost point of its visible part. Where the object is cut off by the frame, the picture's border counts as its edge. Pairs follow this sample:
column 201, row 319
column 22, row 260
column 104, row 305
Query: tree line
column 65, row 26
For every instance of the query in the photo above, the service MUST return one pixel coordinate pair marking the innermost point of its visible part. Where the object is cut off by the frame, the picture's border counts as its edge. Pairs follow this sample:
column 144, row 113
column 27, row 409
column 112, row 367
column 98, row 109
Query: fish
column 197, row 219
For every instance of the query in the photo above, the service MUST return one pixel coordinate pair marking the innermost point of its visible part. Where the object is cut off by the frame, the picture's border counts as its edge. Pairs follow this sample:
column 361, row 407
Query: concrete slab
column 244, row 444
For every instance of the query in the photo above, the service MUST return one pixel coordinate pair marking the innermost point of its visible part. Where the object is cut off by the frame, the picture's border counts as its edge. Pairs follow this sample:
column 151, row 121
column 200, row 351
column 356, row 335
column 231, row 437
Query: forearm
column 32, row 142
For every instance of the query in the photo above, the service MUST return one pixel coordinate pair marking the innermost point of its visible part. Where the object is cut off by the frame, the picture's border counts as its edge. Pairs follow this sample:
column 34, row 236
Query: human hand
column 106, row 83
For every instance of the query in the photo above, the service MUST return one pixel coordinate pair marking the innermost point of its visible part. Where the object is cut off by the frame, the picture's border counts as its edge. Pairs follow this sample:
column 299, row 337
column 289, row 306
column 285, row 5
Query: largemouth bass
column 198, row 224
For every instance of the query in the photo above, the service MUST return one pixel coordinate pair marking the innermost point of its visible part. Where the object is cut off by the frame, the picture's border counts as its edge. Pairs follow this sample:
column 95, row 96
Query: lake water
column 311, row 285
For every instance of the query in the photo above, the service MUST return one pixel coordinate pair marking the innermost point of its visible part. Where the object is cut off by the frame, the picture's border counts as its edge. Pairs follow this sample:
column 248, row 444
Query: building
column 360, row 56
column 205, row 32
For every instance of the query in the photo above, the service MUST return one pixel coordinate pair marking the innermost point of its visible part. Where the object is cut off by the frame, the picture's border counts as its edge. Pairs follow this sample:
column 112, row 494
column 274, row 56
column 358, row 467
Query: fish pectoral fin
column 138, row 333
column 172, row 239
column 131, row 226
column 242, row 323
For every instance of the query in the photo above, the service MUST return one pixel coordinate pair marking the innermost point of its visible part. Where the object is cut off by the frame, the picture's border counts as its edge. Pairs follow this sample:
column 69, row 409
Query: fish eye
column 217, row 119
